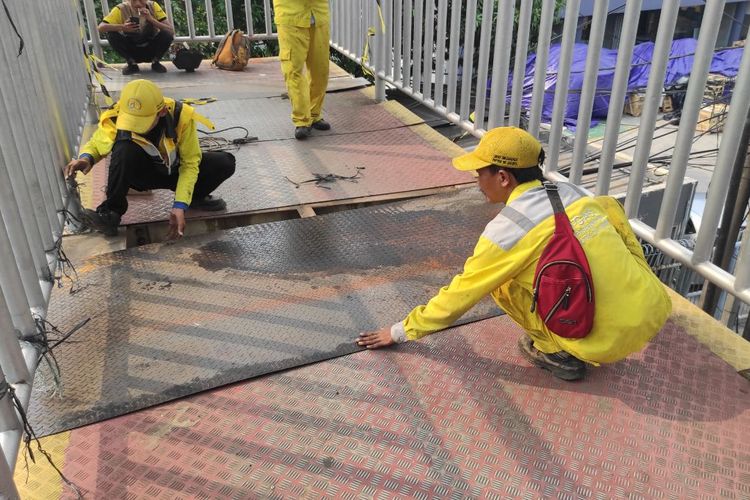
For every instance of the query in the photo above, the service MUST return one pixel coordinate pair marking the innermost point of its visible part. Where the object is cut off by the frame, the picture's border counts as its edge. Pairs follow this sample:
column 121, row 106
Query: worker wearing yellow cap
column 303, row 27
column 631, row 305
column 153, row 144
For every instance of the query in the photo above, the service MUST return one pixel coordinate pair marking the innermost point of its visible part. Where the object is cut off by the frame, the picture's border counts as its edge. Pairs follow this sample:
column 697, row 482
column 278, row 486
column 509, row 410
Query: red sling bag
column 563, row 287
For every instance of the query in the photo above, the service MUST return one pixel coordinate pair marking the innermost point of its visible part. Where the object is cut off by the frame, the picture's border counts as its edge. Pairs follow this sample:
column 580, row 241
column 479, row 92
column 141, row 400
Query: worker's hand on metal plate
column 130, row 27
column 74, row 166
column 176, row 224
column 375, row 340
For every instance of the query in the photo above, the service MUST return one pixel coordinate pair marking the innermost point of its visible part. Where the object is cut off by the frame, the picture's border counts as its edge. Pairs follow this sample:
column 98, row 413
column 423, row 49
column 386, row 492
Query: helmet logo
column 134, row 104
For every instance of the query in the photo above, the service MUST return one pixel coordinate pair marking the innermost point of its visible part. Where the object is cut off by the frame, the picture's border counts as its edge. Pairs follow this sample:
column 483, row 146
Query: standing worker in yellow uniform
column 303, row 27
column 631, row 305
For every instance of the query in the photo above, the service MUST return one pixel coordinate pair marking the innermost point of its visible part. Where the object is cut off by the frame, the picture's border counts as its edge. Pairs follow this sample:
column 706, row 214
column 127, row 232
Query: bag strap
column 562, row 223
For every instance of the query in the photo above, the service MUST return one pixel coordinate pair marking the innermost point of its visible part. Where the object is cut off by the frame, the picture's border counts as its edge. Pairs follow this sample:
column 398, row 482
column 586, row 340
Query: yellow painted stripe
column 720, row 340
column 40, row 480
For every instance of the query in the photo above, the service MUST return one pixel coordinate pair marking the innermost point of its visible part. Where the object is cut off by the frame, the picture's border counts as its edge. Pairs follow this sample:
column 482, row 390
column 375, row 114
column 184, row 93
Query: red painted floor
column 459, row 414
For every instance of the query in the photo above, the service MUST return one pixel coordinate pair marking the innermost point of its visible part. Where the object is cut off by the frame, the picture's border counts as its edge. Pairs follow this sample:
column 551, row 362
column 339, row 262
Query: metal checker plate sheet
column 261, row 78
column 172, row 320
column 394, row 159
column 459, row 414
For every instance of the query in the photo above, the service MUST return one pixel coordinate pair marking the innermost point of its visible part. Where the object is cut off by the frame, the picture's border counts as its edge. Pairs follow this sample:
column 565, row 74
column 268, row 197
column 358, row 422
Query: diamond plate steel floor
column 172, row 320
column 386, row 143
column 459, row 414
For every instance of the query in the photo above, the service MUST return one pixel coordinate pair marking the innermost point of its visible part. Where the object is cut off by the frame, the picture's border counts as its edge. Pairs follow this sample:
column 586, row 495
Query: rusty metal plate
column 459, row 414
column 172, row 320
column 392, row 158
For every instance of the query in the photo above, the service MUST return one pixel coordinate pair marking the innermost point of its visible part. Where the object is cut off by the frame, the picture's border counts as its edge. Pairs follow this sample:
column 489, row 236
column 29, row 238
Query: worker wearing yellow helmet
column 631, row 305
column 303, row 27
column 153, row 143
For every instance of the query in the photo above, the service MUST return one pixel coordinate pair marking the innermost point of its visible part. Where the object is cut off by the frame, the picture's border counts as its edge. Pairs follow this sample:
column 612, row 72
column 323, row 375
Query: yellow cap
column 508, row 147
column 140, row 102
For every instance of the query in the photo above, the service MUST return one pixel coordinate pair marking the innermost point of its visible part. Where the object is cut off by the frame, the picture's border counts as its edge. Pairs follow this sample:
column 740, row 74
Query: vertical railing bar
column 540, row 66
column 88, row 5
column 398, row 29
column 388, row 62
column 408, row 19
column 267, row 14
column 450, row 102
column 248, row 18
column 429, row 46
column 12, row 286
column 440, row 52
column 522, row 46
column 561, row 88
column 617, row 98
column 704, row 52
column 501, row 62
column 417, row 47
column 588, row 92
column 480, row 102
column 210, row 18
column 190, row 18
column 170, row 15
column 381, row 37
column 230, row 18
column 667, row 21
column 468, row 66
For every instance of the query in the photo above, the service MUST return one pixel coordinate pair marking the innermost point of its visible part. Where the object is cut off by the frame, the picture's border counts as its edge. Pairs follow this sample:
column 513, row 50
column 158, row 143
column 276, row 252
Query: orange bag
column 233, row 52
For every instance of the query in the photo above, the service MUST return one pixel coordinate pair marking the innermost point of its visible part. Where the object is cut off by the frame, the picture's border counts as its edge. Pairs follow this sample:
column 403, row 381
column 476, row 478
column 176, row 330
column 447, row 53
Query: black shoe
column 321, row 125
column 104, row 221
column 561, row 364
column 158, row 67
column 302, row 132
column 209, row 204
column 130, row 69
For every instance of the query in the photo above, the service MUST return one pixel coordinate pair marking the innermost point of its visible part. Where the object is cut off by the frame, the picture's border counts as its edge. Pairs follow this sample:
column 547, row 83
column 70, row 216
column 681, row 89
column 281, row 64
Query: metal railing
column 209, row 34
column 427, row 50
column 44, row 92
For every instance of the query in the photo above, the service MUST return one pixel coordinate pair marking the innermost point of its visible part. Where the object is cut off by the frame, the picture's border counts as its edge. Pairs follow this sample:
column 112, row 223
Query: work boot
column 301, row 133
column 209, row 204
column 158, row 67
column 102, row 220
column 130, row 69
column 321, row 125
column 561, row 364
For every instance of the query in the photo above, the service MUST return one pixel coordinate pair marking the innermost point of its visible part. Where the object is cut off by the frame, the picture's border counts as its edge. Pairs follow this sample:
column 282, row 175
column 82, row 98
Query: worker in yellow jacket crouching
column 154, row 144
column 631, row 305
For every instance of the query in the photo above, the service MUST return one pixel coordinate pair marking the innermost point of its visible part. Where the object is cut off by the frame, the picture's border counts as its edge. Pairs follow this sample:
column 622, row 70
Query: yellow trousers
column 300, row 47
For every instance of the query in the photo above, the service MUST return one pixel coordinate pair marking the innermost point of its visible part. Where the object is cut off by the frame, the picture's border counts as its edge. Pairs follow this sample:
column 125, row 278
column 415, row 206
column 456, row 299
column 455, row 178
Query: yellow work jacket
column 184, row 151
column 631, row 303
column 300, row 12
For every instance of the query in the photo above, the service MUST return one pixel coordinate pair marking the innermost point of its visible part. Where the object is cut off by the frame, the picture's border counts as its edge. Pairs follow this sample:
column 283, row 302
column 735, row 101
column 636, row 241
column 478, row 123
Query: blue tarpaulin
column 725, row 62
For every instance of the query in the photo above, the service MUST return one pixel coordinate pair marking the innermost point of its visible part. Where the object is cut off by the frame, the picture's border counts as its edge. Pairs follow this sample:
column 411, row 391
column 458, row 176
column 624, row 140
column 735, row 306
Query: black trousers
column 131, row 167
column 132, row 49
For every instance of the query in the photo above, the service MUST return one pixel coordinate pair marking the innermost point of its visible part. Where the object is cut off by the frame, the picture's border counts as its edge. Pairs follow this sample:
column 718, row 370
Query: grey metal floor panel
column 172, row 320
column 393, row 157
